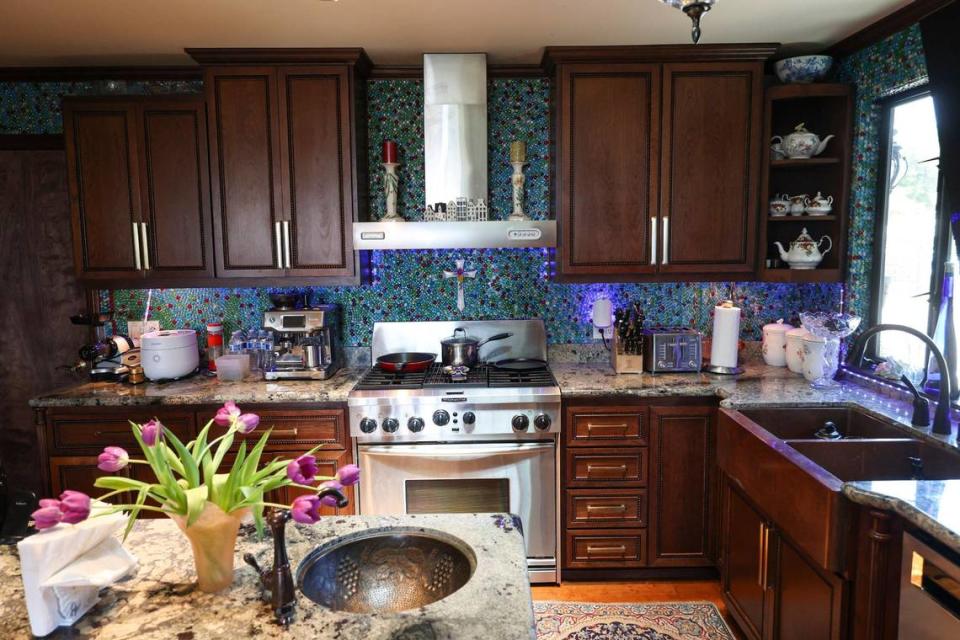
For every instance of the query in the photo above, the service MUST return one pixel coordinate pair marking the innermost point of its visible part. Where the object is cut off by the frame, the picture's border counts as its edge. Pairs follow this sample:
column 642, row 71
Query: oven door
column 514, row 477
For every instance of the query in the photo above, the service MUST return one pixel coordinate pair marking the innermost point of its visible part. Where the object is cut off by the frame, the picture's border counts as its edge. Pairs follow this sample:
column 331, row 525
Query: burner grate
column 481, row 376
column 528, row 378
column 436, row 377
column 376, row 378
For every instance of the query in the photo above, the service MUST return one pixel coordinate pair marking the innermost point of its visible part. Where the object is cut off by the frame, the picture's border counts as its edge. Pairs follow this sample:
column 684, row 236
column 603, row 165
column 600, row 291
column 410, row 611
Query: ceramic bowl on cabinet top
column 802, row 69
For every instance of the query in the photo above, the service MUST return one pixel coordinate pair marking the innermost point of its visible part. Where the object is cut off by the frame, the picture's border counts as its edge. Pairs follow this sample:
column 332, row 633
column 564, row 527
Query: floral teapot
column 801, row 143
column 804, row 253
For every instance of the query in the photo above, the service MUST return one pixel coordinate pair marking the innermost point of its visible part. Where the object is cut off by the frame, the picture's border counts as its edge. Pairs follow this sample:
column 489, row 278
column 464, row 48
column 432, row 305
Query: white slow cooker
column 169, row 354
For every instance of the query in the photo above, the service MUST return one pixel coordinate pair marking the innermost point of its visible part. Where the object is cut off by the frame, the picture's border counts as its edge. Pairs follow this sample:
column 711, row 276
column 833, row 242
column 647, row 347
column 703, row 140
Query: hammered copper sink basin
column 881, row 459
column 384, row 571
column 801, row 423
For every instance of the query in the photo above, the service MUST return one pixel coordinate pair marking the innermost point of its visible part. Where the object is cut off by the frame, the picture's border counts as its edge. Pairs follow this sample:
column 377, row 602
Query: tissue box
column 64, row 569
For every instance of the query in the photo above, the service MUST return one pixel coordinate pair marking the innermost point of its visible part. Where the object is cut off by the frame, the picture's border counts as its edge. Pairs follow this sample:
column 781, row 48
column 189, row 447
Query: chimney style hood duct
column 455, row 126
column 455, row 162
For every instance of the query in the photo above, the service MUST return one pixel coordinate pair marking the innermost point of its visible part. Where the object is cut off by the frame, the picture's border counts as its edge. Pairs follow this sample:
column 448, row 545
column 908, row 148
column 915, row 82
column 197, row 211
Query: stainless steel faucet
column 941, row 419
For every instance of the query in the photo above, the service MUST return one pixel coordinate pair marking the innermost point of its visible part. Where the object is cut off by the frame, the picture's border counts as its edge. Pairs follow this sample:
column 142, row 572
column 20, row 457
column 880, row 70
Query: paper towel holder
column 719, row 369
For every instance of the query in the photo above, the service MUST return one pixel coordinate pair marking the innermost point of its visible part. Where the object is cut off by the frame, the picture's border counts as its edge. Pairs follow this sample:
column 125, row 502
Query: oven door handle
column 451, row 452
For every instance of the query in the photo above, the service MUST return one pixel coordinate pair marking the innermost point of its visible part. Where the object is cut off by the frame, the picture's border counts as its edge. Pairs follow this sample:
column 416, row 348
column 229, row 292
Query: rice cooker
column 165, row 355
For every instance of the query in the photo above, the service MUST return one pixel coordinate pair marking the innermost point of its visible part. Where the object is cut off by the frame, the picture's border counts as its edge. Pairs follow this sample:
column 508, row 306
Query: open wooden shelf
column 827, row 218
column 799, row 163
column 801, row 275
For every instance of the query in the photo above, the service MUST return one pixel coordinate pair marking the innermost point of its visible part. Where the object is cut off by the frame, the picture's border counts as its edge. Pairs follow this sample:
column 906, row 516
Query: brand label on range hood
column 455, row 235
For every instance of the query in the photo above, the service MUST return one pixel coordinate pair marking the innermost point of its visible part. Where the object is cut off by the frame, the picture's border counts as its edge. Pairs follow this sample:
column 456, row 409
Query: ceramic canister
column 775, row 343
column 813, row 347
column 794, row 354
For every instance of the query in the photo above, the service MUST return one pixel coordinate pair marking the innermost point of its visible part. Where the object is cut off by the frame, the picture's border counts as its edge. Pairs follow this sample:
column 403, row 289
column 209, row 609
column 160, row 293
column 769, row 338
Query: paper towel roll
column 726, row 335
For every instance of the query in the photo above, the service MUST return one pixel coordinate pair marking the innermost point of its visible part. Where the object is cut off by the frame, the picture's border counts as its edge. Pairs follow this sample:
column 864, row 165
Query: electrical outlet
column 596, row 333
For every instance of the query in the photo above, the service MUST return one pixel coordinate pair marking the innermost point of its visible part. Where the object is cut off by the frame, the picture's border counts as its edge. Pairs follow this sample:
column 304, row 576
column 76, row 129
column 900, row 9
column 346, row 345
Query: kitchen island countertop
column 160, row 601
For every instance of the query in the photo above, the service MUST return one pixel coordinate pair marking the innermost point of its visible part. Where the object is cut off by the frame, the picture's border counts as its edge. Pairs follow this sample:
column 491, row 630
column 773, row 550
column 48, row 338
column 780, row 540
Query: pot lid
column 459, row 337
column 777, row 327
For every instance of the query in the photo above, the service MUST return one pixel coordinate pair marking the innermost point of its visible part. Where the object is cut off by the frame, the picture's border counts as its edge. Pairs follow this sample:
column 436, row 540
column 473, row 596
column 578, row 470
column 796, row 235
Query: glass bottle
column 946, row 338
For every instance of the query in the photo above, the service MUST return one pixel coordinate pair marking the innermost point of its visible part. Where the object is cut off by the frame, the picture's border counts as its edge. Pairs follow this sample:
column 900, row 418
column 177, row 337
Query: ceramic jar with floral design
column 774, row 347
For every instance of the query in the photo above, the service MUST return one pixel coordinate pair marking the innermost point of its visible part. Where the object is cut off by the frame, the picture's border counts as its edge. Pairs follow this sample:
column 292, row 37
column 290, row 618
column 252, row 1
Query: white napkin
column 65, row 567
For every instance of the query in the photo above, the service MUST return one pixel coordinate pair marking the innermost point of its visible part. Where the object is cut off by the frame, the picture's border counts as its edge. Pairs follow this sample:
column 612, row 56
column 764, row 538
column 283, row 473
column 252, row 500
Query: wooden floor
column 638, row 592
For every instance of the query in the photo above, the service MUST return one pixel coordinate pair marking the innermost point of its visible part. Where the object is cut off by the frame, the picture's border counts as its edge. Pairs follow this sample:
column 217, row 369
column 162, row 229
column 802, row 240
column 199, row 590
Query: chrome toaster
column 667, row 349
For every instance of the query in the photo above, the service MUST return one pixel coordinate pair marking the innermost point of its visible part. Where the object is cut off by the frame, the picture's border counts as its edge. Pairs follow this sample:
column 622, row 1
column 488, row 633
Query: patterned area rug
column 652, row 621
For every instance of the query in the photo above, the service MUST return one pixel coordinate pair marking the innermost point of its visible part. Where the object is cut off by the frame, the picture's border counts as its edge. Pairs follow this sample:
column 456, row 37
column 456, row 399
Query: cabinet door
column 683, row 513
column 743, row 563
column 316, row 160
column 244, row 170
column 608, row 141
column 175, row 189
column 101, row 145
column 711, row 163
column 809, row 602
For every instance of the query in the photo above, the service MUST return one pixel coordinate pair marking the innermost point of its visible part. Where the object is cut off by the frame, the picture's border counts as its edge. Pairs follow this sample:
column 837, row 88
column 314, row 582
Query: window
column 911, row 245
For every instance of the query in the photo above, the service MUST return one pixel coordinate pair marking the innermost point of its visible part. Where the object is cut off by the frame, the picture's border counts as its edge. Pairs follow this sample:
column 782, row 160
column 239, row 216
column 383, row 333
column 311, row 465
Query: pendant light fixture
column 694, row 9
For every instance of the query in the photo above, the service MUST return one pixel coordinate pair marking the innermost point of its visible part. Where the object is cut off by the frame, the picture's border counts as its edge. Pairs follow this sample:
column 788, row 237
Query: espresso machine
column 306, row 342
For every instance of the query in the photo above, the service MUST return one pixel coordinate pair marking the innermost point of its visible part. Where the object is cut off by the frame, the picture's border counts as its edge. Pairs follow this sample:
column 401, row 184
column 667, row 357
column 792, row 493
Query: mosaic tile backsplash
column 510, row 283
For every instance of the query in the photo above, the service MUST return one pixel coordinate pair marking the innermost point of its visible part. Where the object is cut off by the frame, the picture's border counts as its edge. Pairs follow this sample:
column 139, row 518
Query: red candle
column 389, row 151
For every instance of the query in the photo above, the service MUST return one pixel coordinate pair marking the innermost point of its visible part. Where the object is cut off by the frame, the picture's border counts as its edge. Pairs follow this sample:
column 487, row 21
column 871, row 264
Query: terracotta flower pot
column 213, row 537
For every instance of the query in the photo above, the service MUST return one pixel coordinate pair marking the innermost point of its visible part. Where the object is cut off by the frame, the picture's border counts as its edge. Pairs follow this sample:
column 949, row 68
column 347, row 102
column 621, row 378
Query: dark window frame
column 941, row 237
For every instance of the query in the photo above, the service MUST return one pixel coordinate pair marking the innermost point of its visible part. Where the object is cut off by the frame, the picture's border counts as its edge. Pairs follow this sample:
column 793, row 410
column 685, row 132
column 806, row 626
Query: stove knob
column 415, row 424
column 542, row 422
column 390, row 425
column 469, row 417
column 520, row 423
column 440, row 417
column 368, row 425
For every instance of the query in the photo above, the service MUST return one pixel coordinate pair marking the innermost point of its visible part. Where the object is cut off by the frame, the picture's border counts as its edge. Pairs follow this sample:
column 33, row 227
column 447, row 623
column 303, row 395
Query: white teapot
column 802, row 143
column 804, row 253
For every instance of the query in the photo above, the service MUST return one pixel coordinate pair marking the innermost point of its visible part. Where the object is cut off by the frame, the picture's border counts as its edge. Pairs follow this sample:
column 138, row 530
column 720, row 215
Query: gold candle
column 518, row 151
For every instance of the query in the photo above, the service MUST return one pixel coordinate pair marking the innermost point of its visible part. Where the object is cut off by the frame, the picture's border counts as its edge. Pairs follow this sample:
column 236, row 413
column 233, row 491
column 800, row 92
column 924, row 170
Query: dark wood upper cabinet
column 101, row 144
column 139, row 189
column 712, row 119
column 287, row 147
column 607, row 137
column 657, row 160
column 683, row 497
column 176, row 194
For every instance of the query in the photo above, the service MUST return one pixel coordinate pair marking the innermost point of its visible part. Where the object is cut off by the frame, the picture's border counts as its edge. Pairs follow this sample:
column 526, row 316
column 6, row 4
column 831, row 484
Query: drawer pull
column 284, row 433
column 603, row 508
column 621, row 549
column 607, row 467
column 620, row 427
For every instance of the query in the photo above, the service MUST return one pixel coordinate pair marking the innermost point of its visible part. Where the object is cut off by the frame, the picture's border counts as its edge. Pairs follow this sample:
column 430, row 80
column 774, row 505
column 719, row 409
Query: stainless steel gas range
column 488, row 443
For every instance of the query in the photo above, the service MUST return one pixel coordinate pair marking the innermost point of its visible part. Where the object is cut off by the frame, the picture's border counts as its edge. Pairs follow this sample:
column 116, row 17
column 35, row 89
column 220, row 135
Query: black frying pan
column 520, row 364
column 406, row 362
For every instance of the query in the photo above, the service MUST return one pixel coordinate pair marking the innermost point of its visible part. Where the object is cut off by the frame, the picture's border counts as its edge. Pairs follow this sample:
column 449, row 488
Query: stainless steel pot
column 462, row 350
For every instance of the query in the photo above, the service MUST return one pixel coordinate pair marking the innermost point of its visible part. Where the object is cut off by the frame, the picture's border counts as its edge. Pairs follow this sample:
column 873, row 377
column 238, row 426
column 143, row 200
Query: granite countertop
column 931, row 505
column 201, row 389
column 161, row 601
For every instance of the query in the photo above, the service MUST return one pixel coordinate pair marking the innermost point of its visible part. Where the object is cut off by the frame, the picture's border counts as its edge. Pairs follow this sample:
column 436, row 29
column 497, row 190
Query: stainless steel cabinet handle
column 666, row 240
column 766, row 557
column 653, row 241
column 622, row 468
column 146, row 246
column 279, row 241
column 620, row 426
column 760, row 556
column 618, row 549
column 136, row 246
column 286, row 243
column 607, row 508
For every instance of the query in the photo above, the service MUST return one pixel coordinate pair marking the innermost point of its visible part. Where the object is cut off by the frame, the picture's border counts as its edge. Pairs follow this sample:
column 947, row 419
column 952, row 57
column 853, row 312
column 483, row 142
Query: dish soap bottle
column 945, row 336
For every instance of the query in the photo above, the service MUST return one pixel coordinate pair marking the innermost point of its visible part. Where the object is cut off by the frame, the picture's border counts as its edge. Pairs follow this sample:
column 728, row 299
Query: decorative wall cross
column 460, row 273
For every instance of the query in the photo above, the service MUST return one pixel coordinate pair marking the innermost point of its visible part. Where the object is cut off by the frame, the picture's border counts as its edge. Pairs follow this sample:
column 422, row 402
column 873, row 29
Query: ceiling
column 134, row 32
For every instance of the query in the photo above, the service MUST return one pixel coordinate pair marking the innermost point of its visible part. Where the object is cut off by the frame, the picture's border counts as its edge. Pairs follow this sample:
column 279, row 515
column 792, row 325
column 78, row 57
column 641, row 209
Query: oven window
column 458, row 496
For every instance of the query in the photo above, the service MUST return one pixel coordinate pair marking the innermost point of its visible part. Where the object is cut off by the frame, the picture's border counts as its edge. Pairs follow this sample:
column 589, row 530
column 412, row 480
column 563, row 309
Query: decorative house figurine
column 518, row 159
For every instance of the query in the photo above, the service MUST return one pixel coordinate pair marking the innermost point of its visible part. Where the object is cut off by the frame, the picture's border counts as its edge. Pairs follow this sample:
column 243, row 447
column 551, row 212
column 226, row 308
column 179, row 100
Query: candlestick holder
column 391, row 184
column 518, row 180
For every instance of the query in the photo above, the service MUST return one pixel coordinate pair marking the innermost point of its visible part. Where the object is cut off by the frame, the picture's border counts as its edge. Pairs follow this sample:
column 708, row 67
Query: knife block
column 624, row 362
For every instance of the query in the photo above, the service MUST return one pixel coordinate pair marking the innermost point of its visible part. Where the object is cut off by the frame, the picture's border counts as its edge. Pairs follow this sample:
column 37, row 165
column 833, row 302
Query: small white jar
column 794, row 351
column 775, row 343
column 813, row 348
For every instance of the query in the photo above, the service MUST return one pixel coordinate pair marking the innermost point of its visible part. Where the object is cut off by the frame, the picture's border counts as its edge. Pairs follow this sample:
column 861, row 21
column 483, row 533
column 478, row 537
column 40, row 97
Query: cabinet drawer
column 597, row 549
column 606, row 508
column 625, row 466
column 93, row 430
column 294, row 429
column 610, row 426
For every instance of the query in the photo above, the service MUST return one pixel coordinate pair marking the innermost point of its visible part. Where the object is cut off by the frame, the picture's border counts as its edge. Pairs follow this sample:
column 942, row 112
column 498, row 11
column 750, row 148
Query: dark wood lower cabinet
column 809, row 602
column 73, row 437
column 742, row 549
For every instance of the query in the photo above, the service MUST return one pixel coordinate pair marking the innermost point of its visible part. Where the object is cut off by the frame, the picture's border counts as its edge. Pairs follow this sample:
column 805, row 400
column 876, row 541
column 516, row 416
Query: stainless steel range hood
column 455, row 163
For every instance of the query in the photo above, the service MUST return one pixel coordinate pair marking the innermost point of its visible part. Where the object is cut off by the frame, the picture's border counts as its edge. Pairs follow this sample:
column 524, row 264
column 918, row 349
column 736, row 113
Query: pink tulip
column 50, row 502
column 112, row 459
column 349, row 475
column 306, row 509
column 247, row 422
column 227, row 414
column 150, row 432
column 74, row 506
column 46, row 517
column 330, row 501
column 302, row 470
